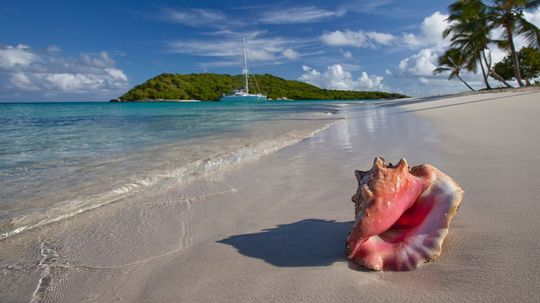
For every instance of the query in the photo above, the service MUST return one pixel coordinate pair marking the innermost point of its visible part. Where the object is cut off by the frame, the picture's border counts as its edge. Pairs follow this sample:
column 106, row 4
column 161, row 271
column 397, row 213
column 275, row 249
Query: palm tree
column 453, row 61
column 469, row 33
column 508, row 14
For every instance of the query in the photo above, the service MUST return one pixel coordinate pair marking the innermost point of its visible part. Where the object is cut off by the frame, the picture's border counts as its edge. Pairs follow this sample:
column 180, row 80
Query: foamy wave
column 184, row 174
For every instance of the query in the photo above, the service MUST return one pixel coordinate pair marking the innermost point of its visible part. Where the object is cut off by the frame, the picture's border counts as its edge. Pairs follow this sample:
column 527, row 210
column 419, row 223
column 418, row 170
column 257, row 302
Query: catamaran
column 243, row 94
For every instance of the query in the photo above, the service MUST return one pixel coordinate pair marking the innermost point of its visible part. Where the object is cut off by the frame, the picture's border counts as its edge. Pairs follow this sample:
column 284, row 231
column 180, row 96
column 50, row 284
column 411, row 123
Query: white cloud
column 359, row 38
column 16, row 56
column 335, row 77
column 24, row 70
column 430, row 35
column 101, row 61
column 421, row 64
column 193, row 17
column 230, row 48
column 432, row 28
column 291, row 54
column 210, row 48
column 344, row 38
column 116, row 73
column 346, row 54
column 381, row 38
column 196, row 18
column 370, row 82
column 410, row 40
column 367, row 6
column 296, row 15
column 22, row 81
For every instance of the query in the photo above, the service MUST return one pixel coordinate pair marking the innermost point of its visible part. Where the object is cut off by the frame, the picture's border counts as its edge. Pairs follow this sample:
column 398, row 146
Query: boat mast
column 245, row 65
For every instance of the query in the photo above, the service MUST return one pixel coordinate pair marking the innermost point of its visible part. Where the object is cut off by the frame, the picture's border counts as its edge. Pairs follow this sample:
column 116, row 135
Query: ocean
column 60, row 159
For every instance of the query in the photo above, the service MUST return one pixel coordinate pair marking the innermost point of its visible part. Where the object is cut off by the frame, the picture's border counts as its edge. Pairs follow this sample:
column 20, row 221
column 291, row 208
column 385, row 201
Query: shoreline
column 273, row 230
column 175, row 169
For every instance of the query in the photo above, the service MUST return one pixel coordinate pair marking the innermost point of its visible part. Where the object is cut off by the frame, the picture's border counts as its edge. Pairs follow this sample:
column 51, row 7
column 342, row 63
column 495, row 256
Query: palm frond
column 447, row 32
column 529, row 31
column 440, row 70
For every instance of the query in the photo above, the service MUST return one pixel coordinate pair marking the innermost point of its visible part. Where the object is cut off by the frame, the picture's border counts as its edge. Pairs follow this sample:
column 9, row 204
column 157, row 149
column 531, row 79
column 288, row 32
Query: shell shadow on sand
column 310, row 242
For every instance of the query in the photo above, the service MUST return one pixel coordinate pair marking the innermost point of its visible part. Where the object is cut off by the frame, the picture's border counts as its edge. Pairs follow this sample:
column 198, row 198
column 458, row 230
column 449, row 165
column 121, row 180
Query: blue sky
column 96, row 50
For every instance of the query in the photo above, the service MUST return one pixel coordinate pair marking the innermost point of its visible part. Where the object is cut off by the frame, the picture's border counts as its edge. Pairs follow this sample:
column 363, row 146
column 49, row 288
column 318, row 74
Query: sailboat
column 243, row 94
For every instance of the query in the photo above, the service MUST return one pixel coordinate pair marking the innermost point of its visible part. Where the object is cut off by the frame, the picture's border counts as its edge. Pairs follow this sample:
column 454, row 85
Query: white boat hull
column 243, row 98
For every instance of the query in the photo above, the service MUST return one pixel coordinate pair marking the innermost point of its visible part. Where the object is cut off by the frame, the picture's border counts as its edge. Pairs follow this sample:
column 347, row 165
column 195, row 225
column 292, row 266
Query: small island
column 210, row 87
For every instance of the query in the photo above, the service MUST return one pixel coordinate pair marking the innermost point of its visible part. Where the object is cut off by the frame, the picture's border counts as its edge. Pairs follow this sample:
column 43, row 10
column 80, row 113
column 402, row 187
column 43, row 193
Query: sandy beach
column 273, row 230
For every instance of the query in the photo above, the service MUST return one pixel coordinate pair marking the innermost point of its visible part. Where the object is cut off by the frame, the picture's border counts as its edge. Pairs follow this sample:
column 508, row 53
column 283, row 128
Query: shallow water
column 60, row 159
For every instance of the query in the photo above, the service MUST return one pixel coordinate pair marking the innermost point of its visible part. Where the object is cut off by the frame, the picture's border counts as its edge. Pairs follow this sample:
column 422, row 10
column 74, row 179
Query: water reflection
column 370, row 130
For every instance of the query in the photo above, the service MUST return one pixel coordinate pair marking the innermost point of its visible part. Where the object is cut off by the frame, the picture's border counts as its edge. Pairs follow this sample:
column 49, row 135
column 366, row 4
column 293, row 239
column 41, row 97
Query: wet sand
column 274, row 230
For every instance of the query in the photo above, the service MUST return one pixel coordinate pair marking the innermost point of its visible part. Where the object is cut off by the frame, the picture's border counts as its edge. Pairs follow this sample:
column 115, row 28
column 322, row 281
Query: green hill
column 213, row 86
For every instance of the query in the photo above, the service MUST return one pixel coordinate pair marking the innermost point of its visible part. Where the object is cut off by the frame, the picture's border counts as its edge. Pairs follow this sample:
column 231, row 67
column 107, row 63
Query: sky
column 96, row 50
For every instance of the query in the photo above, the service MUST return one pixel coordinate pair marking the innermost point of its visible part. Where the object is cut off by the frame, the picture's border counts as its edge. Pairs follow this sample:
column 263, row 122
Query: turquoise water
column 59, row 159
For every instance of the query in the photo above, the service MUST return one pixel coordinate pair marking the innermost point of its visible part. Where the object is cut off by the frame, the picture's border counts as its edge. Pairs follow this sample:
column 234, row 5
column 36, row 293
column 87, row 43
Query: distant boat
column 243, row 95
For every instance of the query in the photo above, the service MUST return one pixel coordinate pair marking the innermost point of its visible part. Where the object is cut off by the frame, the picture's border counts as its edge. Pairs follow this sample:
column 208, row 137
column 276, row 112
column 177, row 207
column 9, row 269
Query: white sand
column 274, row 230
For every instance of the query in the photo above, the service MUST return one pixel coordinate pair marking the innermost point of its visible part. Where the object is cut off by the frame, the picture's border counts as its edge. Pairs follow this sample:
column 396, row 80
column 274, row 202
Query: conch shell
column 402, row 215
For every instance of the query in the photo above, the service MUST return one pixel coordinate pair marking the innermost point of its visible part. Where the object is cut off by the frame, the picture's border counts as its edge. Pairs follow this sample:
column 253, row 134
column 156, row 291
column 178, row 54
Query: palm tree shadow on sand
column 310, row 242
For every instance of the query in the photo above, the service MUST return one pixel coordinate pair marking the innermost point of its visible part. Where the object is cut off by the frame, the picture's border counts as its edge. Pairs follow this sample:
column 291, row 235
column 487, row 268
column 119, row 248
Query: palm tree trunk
column 513, row 54
column 485, row 75
column 465, row 83
column 497, row 77
column 492, row 73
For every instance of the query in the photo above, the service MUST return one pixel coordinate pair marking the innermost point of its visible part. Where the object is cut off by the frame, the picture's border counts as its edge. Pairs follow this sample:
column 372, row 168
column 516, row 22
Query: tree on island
column 472, row 23
column 212, row 86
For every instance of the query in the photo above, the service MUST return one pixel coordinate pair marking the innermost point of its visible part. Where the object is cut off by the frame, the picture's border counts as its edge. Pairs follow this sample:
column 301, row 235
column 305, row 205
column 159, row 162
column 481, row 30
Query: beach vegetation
column 472, row 24
column 470, row 34
column 508, row 15
column 452, row 61
column 529, row 62
column 211, row 87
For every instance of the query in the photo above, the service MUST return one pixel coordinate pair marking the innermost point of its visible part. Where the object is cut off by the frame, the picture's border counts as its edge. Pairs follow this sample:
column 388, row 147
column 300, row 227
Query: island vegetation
column 210, row 87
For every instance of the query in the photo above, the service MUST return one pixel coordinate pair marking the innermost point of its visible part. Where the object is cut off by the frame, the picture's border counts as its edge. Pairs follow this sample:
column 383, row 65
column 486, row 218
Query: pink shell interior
column 402, row 215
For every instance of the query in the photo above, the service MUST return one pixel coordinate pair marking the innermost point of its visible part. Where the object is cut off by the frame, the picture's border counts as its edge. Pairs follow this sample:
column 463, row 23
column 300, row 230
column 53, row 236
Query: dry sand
column 274, row 230
column 491, row 143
